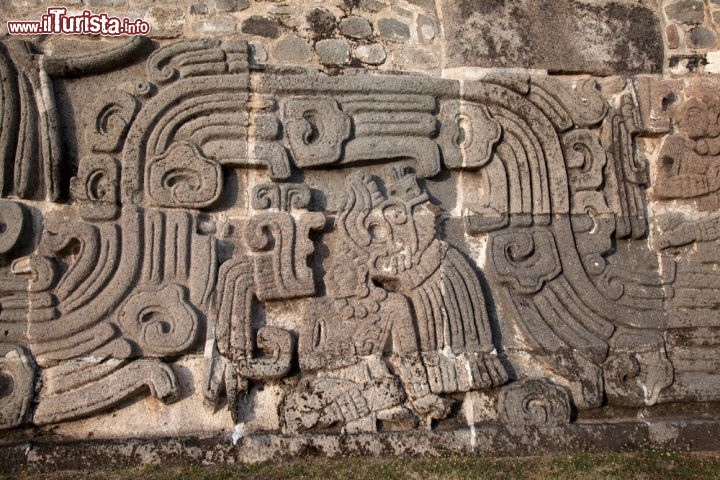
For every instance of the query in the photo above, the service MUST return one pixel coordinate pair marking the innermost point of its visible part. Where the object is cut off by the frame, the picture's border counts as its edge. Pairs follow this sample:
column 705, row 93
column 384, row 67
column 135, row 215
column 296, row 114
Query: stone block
column 260, row 26
column 603, row 38
column 373, row 54
column 292, row 49
column 354, row 26
column 393, row 29
column 333, row 51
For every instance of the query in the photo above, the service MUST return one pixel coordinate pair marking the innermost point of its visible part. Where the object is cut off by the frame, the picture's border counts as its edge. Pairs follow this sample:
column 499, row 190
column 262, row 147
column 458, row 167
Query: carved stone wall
column 291, row 225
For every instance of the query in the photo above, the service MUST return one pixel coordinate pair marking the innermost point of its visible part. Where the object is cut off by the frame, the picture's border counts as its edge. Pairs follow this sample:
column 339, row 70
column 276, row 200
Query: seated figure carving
column 384, row 264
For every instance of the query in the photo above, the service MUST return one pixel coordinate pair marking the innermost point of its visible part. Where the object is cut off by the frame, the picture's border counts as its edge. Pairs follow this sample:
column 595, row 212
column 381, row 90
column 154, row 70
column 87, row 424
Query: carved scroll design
column 137, row 319
column 271, row 266
column 525, row 260
column 316, row 130
column 97, row 188
column 183, row 177
column 17, row 380
column 468, row 134
column 534, row 403
column 283, row 196
column 13, row 223
column 198, row 58
column 557, row 191
column 159, row 320
column 108, row 390
column 29, row 142
column 568, row 312
column 108, row 120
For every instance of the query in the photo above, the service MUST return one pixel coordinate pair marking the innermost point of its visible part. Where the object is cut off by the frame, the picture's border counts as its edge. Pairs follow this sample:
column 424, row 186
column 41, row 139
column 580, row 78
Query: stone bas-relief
column 354, row 253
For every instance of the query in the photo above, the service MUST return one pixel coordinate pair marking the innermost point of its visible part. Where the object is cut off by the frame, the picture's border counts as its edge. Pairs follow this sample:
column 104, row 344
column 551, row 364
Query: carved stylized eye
column 176, row 177
column 464, row 134
column 395, row 214
column 377, row 232
column 157, row 319
column 97, row 186
column 313, row 127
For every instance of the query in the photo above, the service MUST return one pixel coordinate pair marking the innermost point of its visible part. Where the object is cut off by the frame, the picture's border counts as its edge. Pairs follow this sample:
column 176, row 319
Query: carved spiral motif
column 12, row 222
column 17, row 374
column 159, row 320
column 183, row 177
column 525, row 260
column 534, row 402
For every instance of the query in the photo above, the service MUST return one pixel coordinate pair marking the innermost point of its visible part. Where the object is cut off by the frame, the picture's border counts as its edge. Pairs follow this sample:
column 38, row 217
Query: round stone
column 392, row 29
column 373, row 54
column 701, row 37
column 292, row 49
column 354, row 26
column 333, row 51
column 427, row 31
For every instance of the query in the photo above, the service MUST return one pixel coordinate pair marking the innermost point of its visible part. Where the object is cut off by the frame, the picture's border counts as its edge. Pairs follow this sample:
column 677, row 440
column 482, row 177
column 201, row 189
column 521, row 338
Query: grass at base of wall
column 646, row 464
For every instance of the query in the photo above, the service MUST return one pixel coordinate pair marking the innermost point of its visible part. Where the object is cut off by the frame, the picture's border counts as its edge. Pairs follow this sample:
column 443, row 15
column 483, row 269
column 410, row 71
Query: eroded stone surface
column 215, row 237
column 561, row 36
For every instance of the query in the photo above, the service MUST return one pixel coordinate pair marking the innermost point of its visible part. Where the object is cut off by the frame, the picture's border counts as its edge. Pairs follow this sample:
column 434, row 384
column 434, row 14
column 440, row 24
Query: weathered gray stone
column 231, row 5
column 216, row 26
column 322, row 22
column 320, row 256
column 686, row 11
column 260, row 26
column 105, row 3
column 292, row 49
column 428, row 5
column 258, row 54
column 373, row 54
column 371, row 5
column 427, row 29
column 701, row 37
column 198, row 9
column 355, row 27
column 333, row 51
column 601, row 38
column 412, row 58
column 290, row 16
column 165, row 22
column 393, row 29
column 672, row 36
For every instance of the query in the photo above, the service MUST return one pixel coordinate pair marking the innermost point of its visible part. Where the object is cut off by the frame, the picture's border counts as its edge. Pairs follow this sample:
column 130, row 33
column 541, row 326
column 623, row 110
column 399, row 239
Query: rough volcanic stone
column 403, row 12
column 392, row 29
column 333, row 51
column 603, row 38
column 165, row 22
column 371, row 5
column 290, row 16
column 673, row 36
column 216, row 26
column 322, row 22
column 292, row 49
column 106, row 3
column 426, row 4
column 686, row 11
column 261, row 26
column 258, row 54
column 701, row 37
column 414, row 58
column 427, row 28
column 231, row 5
column 198, row 9
column 373, row 54
column 355, row 27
